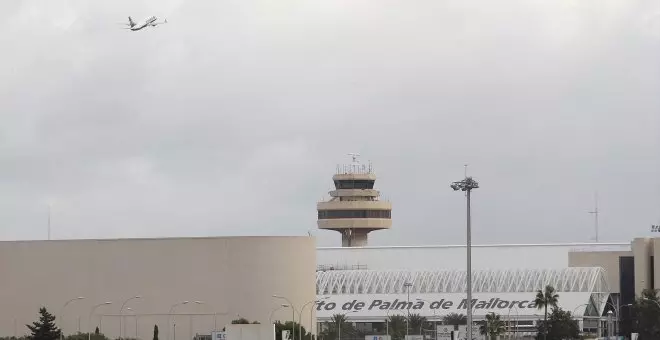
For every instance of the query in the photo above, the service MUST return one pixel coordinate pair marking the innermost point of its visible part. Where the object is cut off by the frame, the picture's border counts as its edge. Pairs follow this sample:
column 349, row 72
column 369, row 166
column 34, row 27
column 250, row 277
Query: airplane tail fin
column 131, row 22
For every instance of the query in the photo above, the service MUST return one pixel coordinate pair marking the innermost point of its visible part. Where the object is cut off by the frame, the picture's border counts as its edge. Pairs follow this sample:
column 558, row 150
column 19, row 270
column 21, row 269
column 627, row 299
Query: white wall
column 232, row 275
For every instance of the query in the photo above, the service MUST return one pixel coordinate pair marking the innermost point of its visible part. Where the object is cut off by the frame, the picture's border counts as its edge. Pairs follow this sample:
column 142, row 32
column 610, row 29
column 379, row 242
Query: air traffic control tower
column 354, row 208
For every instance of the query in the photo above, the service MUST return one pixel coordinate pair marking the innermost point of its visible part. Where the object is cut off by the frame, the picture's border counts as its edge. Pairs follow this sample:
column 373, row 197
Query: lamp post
column 387, row 322
column 609, row 324
column 215, row 315
column 467, row 185
column 270, row 317
column 435, row 318
column 62, row 312
column 169, row 318
column 408, row 285
column 121, row 313
column 311, row 316
column 136, row 322
column 89, row 321
column 293, row 315
column 509, row 319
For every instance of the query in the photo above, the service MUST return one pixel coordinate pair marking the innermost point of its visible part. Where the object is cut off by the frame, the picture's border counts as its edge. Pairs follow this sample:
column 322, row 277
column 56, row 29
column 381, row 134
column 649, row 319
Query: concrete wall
column 251, row 332
column 232, row 275
column 608, row 260
column 642, row 249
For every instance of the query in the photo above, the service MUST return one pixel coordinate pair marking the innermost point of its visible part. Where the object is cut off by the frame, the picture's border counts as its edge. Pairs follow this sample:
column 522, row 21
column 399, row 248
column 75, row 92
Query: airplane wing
column 159, row 23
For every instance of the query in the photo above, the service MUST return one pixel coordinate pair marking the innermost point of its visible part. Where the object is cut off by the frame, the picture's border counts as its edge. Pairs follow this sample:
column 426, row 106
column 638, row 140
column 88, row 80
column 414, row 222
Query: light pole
column 435, row 318
column 136, row 322
column 509, row 319
column 215, row 315
column 387, row 322
column 62, row 312
column 293, row 315
column 169, row 319
column 609, row 324
column 467, row 185
column 270, row 317
column 311, row 316
column 89, row 321
column 408, row 285
column 121, row 313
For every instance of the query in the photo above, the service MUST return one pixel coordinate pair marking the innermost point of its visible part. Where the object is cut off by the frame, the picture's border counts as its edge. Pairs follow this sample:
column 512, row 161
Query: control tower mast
column 354, row 208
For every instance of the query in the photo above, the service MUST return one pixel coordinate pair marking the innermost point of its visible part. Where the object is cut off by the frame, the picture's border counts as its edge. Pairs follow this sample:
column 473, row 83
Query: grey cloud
column 230, row 119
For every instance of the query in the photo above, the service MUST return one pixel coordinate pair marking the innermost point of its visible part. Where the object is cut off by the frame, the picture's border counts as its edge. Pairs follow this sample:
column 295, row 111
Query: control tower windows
column 332, row 214
column 355, row 184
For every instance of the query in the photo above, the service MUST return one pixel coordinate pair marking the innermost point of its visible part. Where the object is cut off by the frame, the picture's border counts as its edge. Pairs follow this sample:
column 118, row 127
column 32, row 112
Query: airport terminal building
column 369, row 283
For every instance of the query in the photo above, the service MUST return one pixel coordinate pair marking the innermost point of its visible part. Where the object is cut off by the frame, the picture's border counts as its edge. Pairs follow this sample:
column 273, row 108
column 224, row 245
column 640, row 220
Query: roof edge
column 483, row 245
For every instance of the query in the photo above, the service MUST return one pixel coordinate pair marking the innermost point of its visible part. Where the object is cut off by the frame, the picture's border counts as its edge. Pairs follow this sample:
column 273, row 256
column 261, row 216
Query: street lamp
column 270, row 317
column 293, row 315
column 408, row 285
column 121, row 313
column 311, row 316
column 169, row 319
column 387, row 322
column 136, row 321
column 89, row 321
column 62, row 312
column 467, row 185
column 509, row 319
column 215, row 316
column 435, row 317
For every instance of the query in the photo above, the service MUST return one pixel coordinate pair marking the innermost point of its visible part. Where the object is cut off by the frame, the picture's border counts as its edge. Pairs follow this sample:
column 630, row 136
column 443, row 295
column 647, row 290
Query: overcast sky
column 230, row 119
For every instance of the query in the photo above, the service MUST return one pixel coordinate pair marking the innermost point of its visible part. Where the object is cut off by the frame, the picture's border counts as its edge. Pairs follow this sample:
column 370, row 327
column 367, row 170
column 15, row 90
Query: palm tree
column 397, row 326
column 417, row 323
column 493, row 326
column 336, row 325
column 454, row 319
column 544, row 299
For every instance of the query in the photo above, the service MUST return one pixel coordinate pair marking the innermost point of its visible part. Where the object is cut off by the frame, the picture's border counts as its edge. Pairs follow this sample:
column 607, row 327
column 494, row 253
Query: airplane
column 151, row 21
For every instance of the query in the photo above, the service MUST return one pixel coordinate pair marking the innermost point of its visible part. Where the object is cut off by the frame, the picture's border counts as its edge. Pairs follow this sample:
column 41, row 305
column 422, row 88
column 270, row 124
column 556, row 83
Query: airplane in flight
column 151, row 21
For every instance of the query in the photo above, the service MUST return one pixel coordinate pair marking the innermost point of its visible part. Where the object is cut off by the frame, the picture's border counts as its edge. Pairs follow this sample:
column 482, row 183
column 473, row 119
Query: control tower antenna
column 354, row 208
column 595, row 212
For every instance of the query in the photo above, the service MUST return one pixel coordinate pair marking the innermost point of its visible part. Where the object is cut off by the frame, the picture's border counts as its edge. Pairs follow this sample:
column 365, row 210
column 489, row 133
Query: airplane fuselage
column 148, row 22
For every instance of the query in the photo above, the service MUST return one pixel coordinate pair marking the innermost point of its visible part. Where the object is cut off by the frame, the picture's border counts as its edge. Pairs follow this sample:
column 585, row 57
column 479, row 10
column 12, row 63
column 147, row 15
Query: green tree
column 397, row 326
column 648, row 314
column 240, row 321
column 454, row 319
column 85, row 336
column 289, row 326
column 418, row 323
column 155, row 332
column 546, row 298
column 559, row 326
column 44, row 328
column 493, row 326
column 331, row 329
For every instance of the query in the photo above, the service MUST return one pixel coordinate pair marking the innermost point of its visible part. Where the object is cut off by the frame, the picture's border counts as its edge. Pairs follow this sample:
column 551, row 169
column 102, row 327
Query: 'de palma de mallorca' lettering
column 493, row 303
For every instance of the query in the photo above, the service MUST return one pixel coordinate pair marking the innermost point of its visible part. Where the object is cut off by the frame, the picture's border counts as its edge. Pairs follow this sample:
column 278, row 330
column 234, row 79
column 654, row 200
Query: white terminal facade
column 371, row 283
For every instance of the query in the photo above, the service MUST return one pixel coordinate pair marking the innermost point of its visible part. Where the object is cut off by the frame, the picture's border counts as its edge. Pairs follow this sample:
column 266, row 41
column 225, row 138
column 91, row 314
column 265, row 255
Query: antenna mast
column 595, row 212
column 49, row 222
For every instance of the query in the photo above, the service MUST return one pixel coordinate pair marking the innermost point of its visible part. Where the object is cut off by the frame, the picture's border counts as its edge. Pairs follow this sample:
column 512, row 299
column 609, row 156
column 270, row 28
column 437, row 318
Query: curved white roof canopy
column 573, row 279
